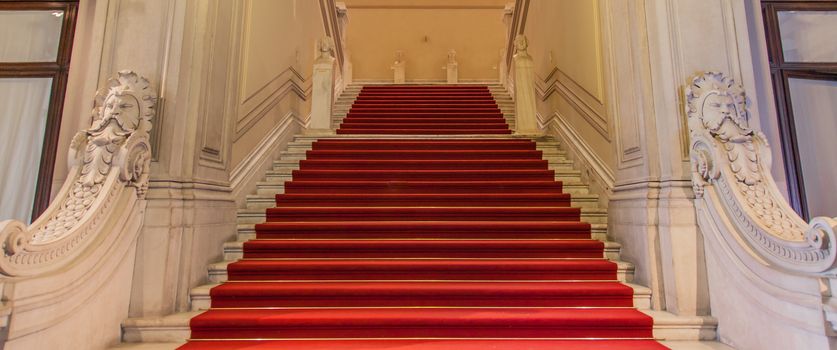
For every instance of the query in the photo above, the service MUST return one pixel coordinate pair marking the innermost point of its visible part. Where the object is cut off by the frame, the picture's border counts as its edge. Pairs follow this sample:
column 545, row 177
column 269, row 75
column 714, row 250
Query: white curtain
column 815, row 119
column 23, row 109
column 25, row 36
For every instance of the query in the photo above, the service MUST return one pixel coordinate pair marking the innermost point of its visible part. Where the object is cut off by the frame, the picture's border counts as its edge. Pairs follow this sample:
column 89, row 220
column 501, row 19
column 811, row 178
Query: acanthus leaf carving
column 734, row 160
column 112, row 154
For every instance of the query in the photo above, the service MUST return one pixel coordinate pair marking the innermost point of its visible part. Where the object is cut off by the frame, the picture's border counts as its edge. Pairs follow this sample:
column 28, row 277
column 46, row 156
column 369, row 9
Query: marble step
column 299, row 154
column 248, row 218
column 200, row 300
column 579, row 191
column 671, row 344
column 669, row 328
column 255, row 203
column 284, row 174
column 311, row 137
column 304, row 144
column 274, row 184
column 218, row 271
column 234, row 250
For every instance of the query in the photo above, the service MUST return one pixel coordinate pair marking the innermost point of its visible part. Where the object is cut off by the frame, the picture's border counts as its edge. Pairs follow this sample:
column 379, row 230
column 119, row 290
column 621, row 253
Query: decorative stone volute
column 110, row 156
column 730, row 167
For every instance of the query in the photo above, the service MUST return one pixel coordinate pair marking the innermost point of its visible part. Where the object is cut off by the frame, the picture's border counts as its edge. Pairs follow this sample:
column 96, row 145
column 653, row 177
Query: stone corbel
column 731, row 177
column 109, row 160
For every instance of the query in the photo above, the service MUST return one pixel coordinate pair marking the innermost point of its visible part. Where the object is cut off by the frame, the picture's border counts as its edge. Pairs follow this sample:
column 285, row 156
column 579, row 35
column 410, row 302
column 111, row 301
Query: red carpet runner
column 419, row 244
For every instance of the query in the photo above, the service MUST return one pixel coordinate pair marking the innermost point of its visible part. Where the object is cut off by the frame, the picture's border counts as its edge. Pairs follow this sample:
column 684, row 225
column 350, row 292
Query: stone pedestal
column 453, row 73
column 524, row 90
column 322, row 95
column 398, row 72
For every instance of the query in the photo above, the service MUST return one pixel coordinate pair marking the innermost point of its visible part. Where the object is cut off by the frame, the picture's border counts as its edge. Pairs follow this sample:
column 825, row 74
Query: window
column 803, row 64
column 35, row 44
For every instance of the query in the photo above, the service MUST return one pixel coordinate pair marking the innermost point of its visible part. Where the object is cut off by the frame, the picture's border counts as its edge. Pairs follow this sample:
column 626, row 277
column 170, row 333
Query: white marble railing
column 743, row 216
column 71, row 252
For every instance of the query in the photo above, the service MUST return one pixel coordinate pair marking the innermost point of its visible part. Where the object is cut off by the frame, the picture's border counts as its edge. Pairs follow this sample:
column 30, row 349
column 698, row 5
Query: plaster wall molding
column 594, row 166
column 584, row 102
column 244, row 176
column 258, row 104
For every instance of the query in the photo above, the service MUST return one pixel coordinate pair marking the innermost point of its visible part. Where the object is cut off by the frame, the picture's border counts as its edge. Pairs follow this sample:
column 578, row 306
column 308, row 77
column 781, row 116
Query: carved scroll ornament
column 110, row 156
column 731, row 167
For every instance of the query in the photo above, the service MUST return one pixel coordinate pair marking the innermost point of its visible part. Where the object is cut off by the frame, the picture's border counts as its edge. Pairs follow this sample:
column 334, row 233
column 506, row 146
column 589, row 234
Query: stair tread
column 431, row 322
column 379, row 229
column 429, row 344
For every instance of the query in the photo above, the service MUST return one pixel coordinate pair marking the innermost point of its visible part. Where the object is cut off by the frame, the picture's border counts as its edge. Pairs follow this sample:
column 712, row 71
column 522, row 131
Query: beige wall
column 566, row 43
column 277, row 51
column 425, row 31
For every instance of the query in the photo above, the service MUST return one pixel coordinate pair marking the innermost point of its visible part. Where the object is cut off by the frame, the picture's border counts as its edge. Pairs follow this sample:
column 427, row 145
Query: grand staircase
column 423, row 224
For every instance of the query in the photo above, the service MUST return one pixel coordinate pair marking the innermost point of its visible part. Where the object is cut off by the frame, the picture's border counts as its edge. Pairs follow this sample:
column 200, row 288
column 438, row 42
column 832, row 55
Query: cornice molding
column 599, row 168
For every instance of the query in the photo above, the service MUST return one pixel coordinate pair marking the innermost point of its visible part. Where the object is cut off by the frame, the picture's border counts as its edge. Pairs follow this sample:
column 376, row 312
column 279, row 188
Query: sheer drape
column 23, row 109
column 25, row 36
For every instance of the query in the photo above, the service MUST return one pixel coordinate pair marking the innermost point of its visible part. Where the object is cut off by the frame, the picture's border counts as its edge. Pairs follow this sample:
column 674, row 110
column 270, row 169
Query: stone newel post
column 524, row 89
column 452, row 68
column 323, row 88
column 398, row 68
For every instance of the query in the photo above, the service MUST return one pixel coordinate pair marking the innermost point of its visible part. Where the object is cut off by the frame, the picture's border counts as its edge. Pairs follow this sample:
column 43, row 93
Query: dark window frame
column 58, row 71
column 781, row 72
